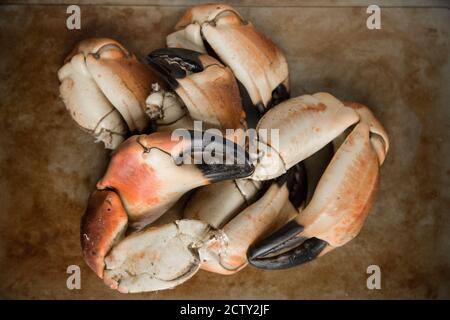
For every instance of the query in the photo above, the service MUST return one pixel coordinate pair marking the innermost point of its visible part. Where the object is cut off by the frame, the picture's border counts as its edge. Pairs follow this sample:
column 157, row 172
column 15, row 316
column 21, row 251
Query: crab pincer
column 151, row 172
column 219, row 30
column 345, row 192
column 104, row 87
column 207, row 87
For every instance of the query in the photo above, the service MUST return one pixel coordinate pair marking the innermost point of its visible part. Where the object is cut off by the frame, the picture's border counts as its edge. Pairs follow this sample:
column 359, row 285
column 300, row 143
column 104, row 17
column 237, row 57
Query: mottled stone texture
column 48, row 166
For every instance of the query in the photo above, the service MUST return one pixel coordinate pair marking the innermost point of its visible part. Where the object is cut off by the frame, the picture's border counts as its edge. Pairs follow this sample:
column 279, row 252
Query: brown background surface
column 48, row 166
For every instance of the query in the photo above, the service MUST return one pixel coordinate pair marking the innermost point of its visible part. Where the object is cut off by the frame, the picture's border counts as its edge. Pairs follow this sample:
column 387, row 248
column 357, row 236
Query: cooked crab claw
column 254, row 59
column 306, row 124
column 218, row 158
column 226, row 250
column 102, row 226
column 344, row 193
column 284, row 248
column 207, row 88
column 104, row 87
column 151, row 172
column 156, row 258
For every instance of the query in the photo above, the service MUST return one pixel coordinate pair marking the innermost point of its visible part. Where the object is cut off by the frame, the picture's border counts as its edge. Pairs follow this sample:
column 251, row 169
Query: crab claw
column 254, row 59
column 339, row 206
column 226, row 250
column 305, row 125
column 150, row 172
column 102, row 226
column 104, row 87
column 207, row 88
column 156, row 258
column 300, row 250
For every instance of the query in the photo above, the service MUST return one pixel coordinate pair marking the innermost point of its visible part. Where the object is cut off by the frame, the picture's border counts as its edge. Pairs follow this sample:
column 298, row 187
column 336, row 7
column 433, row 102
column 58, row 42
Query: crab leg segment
column 254, row 59
column 339, row 206
column 208, row 205
column 207, row 88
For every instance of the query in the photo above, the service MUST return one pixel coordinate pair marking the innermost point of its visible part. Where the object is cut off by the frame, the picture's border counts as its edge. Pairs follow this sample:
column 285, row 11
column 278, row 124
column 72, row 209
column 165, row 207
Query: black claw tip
column 218, row 158
column 307, row 251
column 279, row 94
column 296, row 180
column 175, row 63
column 299, row 249
column 261, row 109
column 275, row 241
column 297, row 184
column 252, row 115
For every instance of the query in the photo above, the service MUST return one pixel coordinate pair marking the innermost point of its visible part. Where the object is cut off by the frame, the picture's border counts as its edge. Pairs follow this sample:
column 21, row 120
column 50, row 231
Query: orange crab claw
column 145, row 173
column 102, row 226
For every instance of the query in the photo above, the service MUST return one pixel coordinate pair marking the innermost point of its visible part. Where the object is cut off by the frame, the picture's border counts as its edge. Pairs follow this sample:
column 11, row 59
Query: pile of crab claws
column 225, row 73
